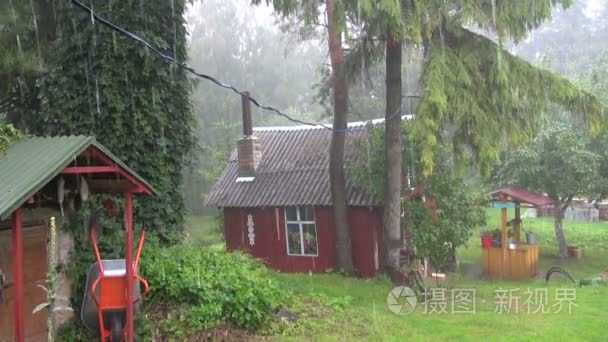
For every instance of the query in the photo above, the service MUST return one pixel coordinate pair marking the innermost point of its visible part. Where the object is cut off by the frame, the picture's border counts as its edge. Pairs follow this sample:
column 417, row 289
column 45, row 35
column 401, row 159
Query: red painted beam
column 90, row 169
column 141, row 187
column 17, row 232
column 129, row 264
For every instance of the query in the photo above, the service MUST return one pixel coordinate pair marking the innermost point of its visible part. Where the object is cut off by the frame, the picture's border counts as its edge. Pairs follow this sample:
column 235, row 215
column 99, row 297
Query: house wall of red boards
column 270, row 239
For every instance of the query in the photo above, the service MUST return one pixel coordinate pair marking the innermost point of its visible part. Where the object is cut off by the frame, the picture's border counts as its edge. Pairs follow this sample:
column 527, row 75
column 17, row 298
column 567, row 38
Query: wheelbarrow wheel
column 116, row 329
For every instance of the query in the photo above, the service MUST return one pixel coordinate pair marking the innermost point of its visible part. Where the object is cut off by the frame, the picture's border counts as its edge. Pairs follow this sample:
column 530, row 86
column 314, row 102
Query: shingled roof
column 294, row 170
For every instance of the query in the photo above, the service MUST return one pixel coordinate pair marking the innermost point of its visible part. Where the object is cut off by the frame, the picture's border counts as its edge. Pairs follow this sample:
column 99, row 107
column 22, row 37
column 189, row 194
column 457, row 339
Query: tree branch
column 566, row 202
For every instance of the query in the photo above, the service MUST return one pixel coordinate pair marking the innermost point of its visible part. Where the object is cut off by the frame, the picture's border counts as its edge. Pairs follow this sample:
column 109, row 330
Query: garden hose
column 560, row 270
column 584, row 282
column 418, row 285
column 418, row 282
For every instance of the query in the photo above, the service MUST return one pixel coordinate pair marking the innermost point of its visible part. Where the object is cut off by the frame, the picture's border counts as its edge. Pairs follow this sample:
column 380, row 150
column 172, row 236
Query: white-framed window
column 301, row 231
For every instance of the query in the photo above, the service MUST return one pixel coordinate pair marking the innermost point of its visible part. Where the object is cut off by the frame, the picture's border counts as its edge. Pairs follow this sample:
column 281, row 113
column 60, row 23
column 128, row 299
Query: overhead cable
column 170, row 59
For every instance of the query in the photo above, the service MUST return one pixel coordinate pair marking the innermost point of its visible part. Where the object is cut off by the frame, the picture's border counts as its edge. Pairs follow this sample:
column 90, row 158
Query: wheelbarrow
column 104, row 305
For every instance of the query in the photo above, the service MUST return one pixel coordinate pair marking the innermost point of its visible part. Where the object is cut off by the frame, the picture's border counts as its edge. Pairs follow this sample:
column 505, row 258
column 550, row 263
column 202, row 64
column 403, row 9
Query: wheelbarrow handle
column 146, row 288
column 140, row 246
column 93, row 238
column 94, row 290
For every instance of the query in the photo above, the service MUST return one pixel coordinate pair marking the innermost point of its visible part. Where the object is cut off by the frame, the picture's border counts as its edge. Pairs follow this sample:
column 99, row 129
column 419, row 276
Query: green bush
column 191, row 288
column 210, row 286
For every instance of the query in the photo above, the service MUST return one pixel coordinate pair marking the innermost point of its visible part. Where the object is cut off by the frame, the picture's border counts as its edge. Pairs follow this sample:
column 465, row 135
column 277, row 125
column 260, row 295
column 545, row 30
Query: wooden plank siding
column 366, row 239
column 270, row 243
column 521, row 263
column 35, row 267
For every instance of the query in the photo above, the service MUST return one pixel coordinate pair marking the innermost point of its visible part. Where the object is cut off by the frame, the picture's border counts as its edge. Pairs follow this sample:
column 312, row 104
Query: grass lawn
column 367, row 317
column 591, row 236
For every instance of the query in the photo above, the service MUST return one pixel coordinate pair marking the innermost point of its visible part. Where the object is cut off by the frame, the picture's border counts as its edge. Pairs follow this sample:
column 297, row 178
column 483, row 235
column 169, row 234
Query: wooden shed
column 29, row 176
column 276, row 200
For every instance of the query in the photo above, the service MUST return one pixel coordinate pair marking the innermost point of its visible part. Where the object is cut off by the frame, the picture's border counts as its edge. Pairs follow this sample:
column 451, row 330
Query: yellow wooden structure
column 513, row 260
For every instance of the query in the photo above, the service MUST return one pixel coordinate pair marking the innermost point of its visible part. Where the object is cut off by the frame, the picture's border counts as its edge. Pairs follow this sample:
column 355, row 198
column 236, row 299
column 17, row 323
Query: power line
column 169, row 59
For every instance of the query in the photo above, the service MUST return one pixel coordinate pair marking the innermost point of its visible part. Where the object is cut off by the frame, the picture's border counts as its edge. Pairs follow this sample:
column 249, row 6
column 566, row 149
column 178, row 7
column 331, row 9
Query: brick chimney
column 249, row 148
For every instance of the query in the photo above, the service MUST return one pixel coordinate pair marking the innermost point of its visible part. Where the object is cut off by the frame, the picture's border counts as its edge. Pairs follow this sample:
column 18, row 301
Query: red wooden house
column 276, row 200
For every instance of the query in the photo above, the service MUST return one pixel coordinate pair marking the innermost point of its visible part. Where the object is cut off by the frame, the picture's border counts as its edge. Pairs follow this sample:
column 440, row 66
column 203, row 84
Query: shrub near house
column 208, row 287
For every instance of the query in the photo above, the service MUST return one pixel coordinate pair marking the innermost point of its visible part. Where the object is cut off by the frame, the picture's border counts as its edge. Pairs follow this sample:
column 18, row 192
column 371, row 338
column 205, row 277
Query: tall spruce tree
column 100, row 83
column 338, row 138
column 393, row 23
column 469, row 81
column 476, row 95
column 484, row 96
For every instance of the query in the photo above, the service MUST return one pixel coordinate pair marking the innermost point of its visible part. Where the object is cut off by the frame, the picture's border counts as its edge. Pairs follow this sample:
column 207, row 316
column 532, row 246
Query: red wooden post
column 504, row 270
column 129, row 264
column 18, row 275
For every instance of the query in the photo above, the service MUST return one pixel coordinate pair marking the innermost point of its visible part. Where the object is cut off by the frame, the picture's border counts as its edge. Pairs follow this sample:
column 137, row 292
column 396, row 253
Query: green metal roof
column 30, row 163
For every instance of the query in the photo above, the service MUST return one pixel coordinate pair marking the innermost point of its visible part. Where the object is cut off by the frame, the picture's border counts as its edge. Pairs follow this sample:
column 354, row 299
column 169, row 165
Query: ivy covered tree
column 102, row 84
column 25, row 34
column 557, row 162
